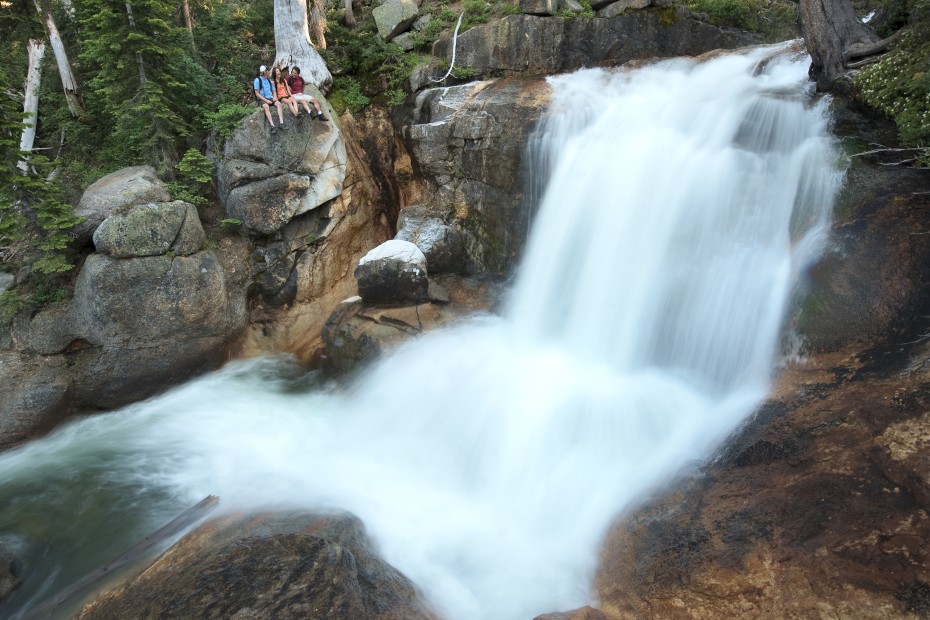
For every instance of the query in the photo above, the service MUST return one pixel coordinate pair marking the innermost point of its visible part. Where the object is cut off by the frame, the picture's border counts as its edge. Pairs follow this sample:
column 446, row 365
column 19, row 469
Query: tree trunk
column 139, row 62
column 292, row 40
column 68, row 83
column 36, row 50
column 188, row 20
column 350, row 16
column 318, row 22
column 831, row 31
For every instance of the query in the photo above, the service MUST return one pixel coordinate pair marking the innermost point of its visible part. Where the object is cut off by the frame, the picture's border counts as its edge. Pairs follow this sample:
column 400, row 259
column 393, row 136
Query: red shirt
column 296, row 83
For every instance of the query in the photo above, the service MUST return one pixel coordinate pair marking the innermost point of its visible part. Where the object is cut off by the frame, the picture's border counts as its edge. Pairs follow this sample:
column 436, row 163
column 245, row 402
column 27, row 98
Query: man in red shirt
column 297, row 90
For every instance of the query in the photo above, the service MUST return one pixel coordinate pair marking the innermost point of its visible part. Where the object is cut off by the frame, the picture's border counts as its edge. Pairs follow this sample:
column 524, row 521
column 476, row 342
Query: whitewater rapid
column 683, row 202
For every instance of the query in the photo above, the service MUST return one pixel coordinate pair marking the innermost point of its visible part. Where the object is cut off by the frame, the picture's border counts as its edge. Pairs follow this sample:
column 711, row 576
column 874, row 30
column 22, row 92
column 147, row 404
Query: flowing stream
column 683, row 202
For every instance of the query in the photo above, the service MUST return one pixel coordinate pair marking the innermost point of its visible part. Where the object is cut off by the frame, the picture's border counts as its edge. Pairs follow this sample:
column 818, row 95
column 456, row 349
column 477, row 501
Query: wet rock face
column 871, row 281
column 356, row 333
column 274, row 565
column 469, row 143
column 8, row 579
column 818, row 507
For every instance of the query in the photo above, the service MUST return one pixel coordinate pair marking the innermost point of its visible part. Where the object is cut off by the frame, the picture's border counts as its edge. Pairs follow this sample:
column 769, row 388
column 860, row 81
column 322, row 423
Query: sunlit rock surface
column 265, row 179
column 113, row 193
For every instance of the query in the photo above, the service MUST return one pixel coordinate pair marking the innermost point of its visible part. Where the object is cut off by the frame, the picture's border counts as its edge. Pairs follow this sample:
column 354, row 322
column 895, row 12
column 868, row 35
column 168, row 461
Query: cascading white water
column 487, row 460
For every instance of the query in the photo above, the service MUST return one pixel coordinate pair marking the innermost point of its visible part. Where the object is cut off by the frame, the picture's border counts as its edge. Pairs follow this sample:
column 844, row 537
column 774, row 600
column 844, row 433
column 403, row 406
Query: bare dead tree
column 292, row 42
column 36, row 50
column 68, row 83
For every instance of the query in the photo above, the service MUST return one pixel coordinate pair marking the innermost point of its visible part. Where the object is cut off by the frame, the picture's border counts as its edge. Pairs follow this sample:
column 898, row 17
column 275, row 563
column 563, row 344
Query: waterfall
column 487, row 460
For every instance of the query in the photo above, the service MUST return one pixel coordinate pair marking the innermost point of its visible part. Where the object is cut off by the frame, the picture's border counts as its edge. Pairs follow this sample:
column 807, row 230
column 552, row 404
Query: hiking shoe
column 320, row 117
column 274, row 129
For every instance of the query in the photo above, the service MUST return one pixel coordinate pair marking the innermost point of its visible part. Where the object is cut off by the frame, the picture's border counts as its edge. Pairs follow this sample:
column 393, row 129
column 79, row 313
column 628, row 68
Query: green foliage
column 194, row 173
column 231, row 222
column 899, row 86
column 477, row 12
column 11, row 303
column 395, row 96
column 145, row 84
column 34, row 217
column 775, row 20
column 226, row 118
column 463, row 73
column 47, row 288
column 347, row 95
column 18, row 23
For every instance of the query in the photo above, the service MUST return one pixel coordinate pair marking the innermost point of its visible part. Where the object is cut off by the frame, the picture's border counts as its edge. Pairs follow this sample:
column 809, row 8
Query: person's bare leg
column 306, row 105
column 268, row 114
column 293, row 105
column 277, row 104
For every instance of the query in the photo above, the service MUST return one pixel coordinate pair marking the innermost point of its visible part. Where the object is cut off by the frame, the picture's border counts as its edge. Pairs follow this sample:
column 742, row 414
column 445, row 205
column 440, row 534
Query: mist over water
column 486, row 460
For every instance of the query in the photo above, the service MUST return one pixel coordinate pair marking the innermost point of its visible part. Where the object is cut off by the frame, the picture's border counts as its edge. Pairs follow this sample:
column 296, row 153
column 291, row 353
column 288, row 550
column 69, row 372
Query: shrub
column 347, row 95
column 225, row 118
column 899, row 86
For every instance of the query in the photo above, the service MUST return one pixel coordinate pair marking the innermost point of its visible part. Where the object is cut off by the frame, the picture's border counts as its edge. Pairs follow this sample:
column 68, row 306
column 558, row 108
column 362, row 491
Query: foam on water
column 488, row 459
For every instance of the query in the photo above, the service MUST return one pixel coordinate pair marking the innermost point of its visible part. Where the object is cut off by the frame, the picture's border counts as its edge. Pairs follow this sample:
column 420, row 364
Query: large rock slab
column 357, row 334
column 304, row 166
column 34, row 395
column 267, row 205
column 800, row 515
column 271, row 565
column 118, row 300
column 528, row 45
column 393, row 273
column 539, row 7
column 470, row 143
column 442, row 244
column 393, row 17
column 616, row 8
column 114, row 192
column 151, row 230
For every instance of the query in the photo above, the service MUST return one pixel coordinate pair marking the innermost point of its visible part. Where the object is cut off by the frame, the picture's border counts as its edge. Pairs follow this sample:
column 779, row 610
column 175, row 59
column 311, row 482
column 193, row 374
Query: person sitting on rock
column 283, row 91
column 265, row 98
column 296, row 84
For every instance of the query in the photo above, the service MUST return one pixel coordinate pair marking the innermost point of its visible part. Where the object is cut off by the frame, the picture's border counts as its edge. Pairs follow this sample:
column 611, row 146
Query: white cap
column 262, row 69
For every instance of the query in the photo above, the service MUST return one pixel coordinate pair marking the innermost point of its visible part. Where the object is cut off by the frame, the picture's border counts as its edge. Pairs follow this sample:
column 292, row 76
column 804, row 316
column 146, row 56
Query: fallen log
column 187, row 518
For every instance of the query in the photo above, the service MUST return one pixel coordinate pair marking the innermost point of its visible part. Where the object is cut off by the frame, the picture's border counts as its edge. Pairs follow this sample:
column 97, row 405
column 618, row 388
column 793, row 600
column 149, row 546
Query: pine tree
column 34, row 217
column 146, row 83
